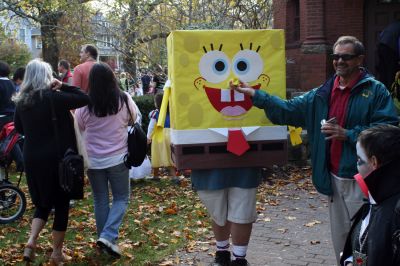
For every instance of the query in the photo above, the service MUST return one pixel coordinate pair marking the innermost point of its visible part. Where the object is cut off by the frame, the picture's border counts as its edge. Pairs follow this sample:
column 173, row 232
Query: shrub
column 146, row 105
column 14, row 53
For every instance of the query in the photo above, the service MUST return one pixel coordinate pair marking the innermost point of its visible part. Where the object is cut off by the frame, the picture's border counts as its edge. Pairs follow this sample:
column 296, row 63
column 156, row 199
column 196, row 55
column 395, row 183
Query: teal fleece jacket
column 369, row 104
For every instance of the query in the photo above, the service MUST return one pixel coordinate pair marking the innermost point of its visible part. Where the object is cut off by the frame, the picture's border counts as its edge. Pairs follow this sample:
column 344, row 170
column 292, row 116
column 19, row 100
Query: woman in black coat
column 33, row 120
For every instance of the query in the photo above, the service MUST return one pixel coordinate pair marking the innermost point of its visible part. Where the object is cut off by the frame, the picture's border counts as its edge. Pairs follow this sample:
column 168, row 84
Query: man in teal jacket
column 353, row 101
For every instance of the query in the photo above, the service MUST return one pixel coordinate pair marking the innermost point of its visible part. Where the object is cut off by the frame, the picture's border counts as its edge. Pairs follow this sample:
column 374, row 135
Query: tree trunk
column 131, row 34
column 48, row 28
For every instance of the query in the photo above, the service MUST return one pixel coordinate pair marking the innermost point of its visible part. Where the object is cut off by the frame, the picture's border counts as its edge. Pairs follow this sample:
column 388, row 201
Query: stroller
column 12, row 199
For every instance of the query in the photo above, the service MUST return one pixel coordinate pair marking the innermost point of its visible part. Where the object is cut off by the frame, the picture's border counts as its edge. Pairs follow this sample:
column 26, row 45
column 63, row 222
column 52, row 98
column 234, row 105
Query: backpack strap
column 125, row 97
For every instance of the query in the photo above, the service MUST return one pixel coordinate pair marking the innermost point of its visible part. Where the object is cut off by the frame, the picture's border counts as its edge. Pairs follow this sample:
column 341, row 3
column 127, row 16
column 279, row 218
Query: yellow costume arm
column 295, row 137
column 164, row 106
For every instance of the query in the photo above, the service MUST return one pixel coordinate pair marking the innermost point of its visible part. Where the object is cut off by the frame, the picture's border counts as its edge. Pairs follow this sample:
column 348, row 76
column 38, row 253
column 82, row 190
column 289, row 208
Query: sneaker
column 222, row 258
column 240, row 262
column 109, row 247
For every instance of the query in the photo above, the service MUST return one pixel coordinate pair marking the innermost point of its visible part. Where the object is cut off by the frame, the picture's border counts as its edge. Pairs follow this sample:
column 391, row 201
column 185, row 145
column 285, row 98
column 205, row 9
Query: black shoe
column 240, row 262
column 222, row 258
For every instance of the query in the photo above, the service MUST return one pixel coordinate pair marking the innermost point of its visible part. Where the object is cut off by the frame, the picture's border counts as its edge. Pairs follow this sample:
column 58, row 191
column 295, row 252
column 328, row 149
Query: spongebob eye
column 214, row 66
column 247, row 65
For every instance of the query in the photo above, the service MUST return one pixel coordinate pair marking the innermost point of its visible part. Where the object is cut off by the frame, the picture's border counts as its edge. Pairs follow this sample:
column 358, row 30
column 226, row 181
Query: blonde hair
column 38, row 77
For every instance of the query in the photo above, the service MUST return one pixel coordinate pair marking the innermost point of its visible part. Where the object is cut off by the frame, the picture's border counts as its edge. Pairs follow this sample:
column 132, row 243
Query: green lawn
column 161, row 218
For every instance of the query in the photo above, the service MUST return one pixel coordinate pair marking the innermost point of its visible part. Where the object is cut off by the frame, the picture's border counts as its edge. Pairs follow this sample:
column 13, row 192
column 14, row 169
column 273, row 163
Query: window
column 22, row 35
column 38, row 42
column 107, row 40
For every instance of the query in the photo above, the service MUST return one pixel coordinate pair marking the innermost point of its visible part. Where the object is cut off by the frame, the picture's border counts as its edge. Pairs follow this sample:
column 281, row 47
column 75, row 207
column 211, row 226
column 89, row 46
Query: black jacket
column 40, row 147
column 7, row 106
column 383, row 243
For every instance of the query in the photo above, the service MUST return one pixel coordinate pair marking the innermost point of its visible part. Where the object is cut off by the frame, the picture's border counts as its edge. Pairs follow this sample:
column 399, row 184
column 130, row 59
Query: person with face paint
column 374, row 238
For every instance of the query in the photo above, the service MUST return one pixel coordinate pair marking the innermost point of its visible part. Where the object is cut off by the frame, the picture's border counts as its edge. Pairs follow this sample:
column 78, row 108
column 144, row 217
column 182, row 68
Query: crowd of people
column 346, row 140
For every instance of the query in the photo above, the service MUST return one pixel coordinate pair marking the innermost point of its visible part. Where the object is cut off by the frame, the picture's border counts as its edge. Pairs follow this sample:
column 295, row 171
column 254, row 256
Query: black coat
column 40, row 147
column 7, row 106
column 383, row 242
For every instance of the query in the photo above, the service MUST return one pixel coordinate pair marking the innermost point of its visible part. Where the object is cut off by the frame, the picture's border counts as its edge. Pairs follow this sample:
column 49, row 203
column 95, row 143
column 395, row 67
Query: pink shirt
column 81, row 75
column 105, row 136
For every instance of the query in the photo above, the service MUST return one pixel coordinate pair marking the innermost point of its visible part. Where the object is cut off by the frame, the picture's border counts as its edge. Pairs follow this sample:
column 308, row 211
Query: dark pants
column 61, row 210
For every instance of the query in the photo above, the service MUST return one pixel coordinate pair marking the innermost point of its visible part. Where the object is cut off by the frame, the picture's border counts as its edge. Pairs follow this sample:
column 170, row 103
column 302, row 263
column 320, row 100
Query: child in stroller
column 12, row 199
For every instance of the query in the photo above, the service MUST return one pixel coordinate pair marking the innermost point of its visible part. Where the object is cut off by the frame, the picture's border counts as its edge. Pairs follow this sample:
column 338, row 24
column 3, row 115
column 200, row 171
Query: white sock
column 222, row 245
column 239, row 252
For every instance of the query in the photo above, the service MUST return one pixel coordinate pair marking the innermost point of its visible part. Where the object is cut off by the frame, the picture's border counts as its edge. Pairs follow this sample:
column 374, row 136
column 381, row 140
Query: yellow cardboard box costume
column 211, row 125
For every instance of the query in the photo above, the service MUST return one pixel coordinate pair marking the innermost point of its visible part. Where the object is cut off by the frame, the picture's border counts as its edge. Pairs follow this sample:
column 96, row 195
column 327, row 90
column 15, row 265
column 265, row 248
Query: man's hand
column 148, row 141
column 334, row 131
column 56, row 84
column 243, row 87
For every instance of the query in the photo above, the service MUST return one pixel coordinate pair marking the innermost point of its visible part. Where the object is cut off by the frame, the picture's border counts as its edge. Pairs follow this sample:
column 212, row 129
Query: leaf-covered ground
column 162, row 217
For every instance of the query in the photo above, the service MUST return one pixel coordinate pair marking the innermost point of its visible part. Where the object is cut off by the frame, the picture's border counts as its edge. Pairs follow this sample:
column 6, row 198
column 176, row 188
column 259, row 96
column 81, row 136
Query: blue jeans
column 108, row 219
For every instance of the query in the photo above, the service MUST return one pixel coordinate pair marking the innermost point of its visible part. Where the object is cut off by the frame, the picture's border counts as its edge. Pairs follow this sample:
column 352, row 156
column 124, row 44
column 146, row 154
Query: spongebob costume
column 213, row 126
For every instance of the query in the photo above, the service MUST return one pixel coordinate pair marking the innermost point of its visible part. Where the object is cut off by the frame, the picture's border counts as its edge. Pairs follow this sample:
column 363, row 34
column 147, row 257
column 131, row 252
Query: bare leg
column 36, row 227
column 241, row 234
column 58, row 240
column 156, row 172
column 171, row 171
column 221, row 233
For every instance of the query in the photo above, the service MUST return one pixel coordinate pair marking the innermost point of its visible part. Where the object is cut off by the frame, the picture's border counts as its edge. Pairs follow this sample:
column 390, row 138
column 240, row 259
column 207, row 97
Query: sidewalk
column 292, row 229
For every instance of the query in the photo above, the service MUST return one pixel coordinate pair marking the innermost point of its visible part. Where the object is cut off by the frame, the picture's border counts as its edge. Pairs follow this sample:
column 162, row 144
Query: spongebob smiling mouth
column 229, row 102
column 216, row 67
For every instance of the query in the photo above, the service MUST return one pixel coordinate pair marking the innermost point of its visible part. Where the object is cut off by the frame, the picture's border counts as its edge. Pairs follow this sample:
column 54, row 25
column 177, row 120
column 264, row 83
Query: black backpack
column 137, row 143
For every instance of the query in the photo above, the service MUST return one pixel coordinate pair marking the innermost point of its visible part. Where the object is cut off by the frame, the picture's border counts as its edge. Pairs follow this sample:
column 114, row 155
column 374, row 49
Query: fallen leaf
column 311, row 224
column 315, row 242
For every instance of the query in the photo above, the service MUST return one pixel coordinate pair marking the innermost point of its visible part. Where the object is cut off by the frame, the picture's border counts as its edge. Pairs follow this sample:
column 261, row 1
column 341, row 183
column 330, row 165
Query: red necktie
column 237, row 143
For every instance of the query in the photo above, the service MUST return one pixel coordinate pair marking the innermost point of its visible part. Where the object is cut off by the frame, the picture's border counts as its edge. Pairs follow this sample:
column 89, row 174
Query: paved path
column 292, row 229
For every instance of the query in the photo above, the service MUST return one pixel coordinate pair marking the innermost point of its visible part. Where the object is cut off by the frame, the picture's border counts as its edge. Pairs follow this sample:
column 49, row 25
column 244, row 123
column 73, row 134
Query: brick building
column 312, row 27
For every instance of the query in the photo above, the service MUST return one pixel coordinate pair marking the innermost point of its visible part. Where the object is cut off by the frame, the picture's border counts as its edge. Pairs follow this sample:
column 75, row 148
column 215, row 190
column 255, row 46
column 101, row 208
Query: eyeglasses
column 360, row 161
column 345, row 57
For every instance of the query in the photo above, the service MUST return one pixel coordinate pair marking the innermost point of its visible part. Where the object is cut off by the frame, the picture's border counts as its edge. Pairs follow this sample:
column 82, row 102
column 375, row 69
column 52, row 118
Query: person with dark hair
column 388, row 54
column 18, row 77
column 146, row 79
column 88, row 57
column 65, row 72
column 104, row 123
column 374, row 238
column 7, row 90
column 7, row 110
column 351, row 101
column 33, row 119
column 158, row 84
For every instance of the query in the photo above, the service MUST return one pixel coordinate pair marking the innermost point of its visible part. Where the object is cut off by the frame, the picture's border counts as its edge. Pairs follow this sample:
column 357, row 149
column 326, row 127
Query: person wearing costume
column 374, row 238
column 160, row 149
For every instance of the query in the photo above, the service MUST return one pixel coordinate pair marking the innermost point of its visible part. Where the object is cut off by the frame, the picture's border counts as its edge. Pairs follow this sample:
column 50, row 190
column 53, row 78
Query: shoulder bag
column 137, row 142
column 70, row 165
